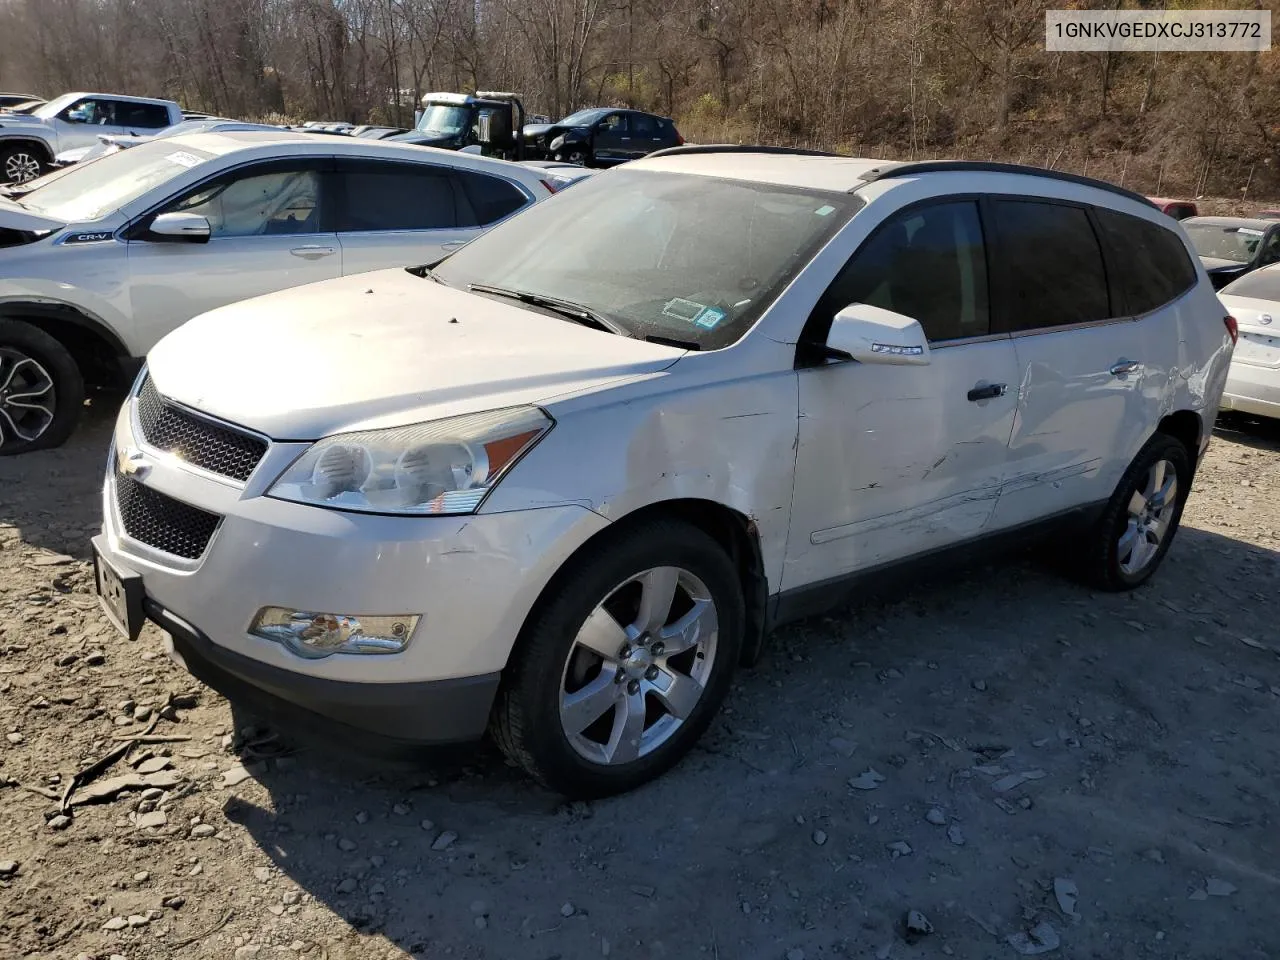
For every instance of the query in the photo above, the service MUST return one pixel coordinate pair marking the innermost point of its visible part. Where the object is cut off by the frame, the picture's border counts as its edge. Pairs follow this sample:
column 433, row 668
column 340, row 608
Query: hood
column 15, row 217
column 422, row 139
column 1218, row 265
column 532, row 131
column 22, row 121
column 383, row 349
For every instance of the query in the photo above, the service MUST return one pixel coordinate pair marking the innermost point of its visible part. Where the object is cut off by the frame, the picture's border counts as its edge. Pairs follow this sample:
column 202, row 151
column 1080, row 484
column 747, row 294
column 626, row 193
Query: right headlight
column 437, row 468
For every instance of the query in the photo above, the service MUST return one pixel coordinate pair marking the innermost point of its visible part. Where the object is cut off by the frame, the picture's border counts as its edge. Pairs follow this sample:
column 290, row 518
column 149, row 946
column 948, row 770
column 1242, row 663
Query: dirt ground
column 1035, row 768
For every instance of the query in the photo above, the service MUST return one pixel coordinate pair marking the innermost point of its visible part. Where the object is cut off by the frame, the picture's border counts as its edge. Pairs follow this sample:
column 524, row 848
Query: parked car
column 1230, row 247
column 1178, row 209
column 1253, row 385
column 372, row 132
column 30, row 106
column 563, row 489
column 98, row 262
column 111, row 144
column 601, row 137
column 10, row 100
column 28, row 144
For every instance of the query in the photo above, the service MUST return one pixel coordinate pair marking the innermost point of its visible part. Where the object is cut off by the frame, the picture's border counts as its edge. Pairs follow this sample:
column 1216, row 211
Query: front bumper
column 409, row 714
column 471, row 580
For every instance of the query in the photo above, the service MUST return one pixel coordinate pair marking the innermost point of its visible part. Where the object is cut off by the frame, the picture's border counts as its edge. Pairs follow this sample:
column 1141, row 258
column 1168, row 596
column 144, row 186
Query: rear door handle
column 1123, row 367
column 312, row 252
column 988, row 391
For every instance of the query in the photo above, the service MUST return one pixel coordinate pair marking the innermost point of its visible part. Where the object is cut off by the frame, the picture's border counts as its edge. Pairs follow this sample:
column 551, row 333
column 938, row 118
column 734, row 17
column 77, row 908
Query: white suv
column 562, row 491
column 98, row 262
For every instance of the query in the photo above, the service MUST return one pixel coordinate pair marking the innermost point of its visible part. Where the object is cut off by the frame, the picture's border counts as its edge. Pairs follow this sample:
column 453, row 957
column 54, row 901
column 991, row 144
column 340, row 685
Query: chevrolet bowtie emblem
column 133, row 463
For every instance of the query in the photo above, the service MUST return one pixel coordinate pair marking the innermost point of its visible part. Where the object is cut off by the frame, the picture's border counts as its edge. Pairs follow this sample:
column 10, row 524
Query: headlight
column 558, row 142
column 436, row 468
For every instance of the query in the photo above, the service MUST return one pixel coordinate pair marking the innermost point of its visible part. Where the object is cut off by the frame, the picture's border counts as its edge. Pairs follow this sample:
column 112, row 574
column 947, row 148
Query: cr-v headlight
column 436, row 468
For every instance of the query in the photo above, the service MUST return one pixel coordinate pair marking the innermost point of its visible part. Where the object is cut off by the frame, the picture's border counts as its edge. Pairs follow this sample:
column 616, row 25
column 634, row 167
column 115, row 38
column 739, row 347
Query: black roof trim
column 888, row 171
column 692, row 149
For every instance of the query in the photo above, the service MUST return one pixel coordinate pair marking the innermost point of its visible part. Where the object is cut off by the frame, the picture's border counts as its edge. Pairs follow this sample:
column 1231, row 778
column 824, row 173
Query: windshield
column 96, row 189
column 1260, row 285
column 582, row 118
column 1224, row 241
column 684, row 257
column 51, row 109
column 444, row 118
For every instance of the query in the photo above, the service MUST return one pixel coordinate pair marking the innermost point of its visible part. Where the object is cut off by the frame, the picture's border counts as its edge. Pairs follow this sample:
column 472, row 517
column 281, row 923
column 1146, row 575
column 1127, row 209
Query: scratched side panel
column 684, row 434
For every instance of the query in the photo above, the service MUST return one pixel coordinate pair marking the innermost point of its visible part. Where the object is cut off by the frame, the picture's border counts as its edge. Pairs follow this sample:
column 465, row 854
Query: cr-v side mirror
column 874, row 335
column 190, row 227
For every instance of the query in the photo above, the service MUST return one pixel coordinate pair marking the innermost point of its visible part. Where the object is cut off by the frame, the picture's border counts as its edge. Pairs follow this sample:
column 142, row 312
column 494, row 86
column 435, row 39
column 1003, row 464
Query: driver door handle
column 312, row 252
column 1123, row 367
column 988, row 391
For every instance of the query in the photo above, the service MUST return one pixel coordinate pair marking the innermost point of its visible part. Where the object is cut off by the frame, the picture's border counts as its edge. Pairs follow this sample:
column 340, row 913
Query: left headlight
column 436, row 468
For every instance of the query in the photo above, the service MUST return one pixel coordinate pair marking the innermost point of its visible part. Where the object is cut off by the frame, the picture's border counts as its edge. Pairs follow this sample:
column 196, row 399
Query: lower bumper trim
column 405, row 714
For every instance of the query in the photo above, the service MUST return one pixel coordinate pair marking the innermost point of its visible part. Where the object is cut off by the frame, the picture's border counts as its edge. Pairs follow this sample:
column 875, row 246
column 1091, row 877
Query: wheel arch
column 97, row 350
column 1187, row 427
column 31, row 141
column 732, row 530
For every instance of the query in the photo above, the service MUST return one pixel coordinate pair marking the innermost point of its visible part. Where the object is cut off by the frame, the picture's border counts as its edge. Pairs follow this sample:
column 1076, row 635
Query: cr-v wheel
column 1141, row 518
column 41, row 390
column 624, row 667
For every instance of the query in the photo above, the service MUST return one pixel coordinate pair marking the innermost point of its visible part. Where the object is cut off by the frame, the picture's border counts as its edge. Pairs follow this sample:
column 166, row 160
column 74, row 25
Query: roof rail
column 888, row 171
column 692, row 149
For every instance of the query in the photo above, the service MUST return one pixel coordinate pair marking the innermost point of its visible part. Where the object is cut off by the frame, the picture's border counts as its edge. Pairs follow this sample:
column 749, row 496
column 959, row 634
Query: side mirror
column 189, row 227
column 485, row 133
column 874, row 335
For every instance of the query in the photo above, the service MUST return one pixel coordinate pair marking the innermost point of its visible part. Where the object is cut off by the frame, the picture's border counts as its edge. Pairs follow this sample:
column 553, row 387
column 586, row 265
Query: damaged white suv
column 561, row 491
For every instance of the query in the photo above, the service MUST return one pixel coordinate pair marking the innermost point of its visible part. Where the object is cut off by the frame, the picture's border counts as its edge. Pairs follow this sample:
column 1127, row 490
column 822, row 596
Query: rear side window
column 490, row 198
column 928, row 264
column 1050, row 265
column 1150, row 265
column 395, row 196
column 145, row 116
column 643, row 125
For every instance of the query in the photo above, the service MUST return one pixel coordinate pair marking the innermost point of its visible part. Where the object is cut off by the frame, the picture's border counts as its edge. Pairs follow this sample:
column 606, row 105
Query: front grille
column 222, row 450
column 162, row 522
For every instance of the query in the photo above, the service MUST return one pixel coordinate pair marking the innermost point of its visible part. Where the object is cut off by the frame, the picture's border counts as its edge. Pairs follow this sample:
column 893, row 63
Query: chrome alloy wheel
column 638, row 666
column 1151, row 510
column 20, row 167
column 27, row 397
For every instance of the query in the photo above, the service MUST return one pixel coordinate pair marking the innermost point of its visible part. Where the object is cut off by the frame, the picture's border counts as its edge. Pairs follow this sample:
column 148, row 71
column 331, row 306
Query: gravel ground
column 1034, row 768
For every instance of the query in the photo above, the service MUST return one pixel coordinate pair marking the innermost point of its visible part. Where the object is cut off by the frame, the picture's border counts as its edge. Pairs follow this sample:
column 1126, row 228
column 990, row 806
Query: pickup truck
column 29, row 143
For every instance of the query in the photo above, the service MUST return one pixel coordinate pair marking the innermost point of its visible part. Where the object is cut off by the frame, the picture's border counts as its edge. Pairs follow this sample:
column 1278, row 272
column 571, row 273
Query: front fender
column 102, row 310
column 44, row 138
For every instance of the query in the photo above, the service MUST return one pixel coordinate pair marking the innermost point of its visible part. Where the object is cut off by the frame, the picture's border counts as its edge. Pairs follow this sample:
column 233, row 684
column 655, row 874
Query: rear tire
column 1134, row 533
column 665, row 604
column 41, row 389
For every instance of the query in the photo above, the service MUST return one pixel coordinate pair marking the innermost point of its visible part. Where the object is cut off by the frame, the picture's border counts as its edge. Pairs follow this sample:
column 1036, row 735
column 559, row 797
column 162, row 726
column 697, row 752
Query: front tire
column 21, row 163
column 623, row 667
column 41, row 389
column 1139, row 523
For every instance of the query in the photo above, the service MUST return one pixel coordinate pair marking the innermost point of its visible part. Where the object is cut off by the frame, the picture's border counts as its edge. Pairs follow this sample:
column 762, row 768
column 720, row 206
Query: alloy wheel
column 1150, row 514
column 21, row 167
column 28, row 400
column 638, row 666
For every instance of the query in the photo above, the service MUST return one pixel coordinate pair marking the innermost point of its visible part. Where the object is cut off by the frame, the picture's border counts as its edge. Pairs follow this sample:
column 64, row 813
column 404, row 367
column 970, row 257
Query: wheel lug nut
column 651, row 673
column 633, row 687
column 657, row 649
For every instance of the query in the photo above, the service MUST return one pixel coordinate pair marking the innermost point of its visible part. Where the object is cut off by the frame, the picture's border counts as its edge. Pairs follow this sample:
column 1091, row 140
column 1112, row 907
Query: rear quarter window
column 1150, row 265
column 492, row 198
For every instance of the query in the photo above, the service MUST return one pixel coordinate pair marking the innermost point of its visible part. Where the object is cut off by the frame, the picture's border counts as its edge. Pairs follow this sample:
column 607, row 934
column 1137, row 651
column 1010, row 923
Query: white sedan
column 98, row 262
column 1253, row 385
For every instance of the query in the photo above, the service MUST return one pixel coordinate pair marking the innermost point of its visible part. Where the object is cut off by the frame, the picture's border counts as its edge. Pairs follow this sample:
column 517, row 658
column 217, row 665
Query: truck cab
column 489, row 120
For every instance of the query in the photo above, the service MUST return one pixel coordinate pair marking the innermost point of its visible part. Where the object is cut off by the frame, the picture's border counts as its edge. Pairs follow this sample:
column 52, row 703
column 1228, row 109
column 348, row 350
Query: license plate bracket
column 119, row 593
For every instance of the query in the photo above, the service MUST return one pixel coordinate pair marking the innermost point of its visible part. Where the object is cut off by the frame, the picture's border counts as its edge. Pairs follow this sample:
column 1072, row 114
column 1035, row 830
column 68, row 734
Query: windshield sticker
column 681, row 309
column 825, row 210
column 184, row 159
column 708, row 318
column 1249, row 230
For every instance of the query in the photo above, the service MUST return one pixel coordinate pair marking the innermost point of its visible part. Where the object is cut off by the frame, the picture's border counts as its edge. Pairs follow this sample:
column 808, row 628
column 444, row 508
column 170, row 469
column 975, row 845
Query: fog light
column 316, row 635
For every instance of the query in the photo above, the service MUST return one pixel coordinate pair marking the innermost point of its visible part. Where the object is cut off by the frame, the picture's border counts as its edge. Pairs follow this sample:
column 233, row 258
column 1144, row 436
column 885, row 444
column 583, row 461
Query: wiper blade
column 565, row 308
column 672, row 342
